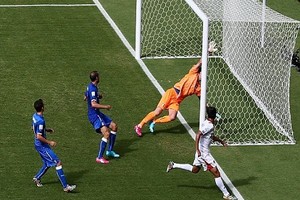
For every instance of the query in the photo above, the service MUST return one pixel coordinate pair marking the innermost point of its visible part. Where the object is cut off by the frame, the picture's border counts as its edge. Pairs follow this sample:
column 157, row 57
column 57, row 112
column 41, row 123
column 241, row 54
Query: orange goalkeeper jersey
column 189, row 84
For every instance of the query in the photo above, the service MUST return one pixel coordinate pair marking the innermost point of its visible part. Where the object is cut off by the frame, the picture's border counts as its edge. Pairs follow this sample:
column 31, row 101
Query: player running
column 203, row 158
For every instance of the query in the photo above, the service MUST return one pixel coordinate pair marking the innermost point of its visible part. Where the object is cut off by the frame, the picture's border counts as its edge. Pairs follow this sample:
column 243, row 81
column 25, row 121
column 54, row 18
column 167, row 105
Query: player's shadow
column 124, row 146
column 177, row 129
column 236, row 183
column 211, row 187
column 244, row 181
column 72, row 178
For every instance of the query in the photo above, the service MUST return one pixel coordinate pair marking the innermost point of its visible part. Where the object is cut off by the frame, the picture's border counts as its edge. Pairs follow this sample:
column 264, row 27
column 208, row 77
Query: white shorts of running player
column 206, row 161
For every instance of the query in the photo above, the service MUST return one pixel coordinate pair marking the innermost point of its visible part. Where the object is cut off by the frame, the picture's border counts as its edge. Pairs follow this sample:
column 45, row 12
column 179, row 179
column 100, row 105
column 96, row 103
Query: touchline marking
column 161, row 90
column 46, row 5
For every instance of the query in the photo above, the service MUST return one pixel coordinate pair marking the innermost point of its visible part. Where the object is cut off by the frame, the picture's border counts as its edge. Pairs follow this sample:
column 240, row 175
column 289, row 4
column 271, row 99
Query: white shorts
column 206, row 161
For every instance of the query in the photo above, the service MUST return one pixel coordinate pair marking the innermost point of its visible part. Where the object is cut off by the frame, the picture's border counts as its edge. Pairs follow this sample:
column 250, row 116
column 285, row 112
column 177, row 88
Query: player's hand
column 52, row 143
column 84, row 98
column 212, row 47
column 108, row 107
column 224, row 143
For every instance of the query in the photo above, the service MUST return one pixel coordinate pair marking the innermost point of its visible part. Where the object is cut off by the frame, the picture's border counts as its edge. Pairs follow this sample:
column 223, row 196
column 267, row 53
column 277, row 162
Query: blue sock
column 42, row 171
column 112, row 139
column 61, row 176
column 102, row 147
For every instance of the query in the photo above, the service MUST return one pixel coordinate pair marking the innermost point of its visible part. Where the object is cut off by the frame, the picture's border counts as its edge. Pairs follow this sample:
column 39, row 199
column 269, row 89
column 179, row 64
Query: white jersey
column 207, row 130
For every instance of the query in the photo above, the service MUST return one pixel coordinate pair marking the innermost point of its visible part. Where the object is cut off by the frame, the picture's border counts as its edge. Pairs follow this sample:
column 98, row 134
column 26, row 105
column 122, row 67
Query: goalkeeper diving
column 171, row 99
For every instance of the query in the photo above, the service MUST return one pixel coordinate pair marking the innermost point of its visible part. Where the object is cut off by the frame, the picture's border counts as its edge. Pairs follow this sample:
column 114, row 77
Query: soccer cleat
column 37, row 182
column 138, row 130
column 170, row 166
column 228, row 197
column 69, row 188
column 112, row 154
column 102, row 160
column 151, row 126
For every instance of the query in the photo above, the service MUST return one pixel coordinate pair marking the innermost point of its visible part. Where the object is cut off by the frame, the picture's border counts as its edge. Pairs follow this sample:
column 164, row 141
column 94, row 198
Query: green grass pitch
column 48, row 52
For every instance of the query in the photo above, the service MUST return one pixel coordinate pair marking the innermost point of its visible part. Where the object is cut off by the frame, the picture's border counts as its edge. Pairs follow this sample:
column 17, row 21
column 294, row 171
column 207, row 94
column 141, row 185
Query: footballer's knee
column 59, row 164
column 215, row 172
column 113, row 126
column 195, row 169
column 157, row 111
column 105, row 132
column 173, row 116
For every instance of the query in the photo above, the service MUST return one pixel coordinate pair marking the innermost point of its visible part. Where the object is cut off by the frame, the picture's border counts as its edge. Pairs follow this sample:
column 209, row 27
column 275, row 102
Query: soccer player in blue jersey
column 42, row 146
column 101, row 123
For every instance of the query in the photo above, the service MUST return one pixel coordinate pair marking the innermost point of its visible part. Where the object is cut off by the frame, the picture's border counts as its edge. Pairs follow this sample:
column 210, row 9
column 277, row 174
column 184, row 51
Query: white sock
column 221, row 186
column 187, row 167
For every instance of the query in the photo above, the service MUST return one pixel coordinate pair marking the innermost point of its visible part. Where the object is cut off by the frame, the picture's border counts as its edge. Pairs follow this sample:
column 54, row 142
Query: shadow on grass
column 177, row 129
column 211, row 187
column 123, row 146
column 244, row 181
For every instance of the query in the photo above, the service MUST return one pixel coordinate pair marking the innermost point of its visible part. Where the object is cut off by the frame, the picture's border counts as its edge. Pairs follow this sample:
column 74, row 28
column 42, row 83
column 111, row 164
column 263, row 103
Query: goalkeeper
column 171, row 99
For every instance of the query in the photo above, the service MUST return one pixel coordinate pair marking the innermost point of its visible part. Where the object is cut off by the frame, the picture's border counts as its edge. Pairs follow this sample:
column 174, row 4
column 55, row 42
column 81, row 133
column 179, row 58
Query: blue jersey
column 39, row 127
column 92, row 95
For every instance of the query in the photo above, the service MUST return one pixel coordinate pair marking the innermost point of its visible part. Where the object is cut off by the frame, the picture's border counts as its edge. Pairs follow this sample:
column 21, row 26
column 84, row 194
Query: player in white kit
column 203, row 158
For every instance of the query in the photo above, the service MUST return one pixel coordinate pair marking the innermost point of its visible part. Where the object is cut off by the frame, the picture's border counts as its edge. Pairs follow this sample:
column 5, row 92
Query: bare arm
column 44, row 140
column 198, row 136
column 100, row 106
column 215, row 138
column 197, row 66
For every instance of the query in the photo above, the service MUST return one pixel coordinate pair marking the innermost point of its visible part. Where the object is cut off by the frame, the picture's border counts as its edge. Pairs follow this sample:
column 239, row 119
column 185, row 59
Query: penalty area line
column 160, row 89
column 46, row 5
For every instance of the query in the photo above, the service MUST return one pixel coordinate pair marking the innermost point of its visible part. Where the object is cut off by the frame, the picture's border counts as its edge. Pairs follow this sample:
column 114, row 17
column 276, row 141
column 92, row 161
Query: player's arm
column 215, row 138
column 44, row 140
column 211, row 49
column 198, row 136
column 100, row 106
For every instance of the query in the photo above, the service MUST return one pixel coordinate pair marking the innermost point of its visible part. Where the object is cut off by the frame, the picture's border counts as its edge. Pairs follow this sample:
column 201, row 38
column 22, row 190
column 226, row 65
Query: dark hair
column 211, row 112
column 94, row 75
column 38, row 105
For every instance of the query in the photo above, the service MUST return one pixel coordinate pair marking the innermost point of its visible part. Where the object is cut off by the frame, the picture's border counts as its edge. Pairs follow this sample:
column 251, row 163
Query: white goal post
column 248, row 80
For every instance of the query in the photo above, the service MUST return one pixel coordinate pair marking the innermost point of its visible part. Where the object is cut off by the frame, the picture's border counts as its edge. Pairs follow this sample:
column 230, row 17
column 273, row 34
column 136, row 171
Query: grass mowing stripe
column 160, row 89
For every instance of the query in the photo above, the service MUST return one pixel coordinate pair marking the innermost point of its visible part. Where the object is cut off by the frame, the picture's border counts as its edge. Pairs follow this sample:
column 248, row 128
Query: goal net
column 248, row 77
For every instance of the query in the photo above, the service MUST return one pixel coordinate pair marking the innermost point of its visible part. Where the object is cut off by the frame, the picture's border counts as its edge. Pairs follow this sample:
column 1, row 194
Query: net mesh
column 248, row 77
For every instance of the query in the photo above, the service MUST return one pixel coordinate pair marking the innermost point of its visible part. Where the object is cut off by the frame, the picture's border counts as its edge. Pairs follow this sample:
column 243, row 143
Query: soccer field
column 48, row 52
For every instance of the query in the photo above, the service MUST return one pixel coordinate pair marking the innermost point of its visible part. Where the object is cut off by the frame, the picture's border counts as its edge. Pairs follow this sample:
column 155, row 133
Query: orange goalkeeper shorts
column 169, row 100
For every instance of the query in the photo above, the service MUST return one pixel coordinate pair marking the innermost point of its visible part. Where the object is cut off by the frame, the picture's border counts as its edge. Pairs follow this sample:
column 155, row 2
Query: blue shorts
column 48, row 156
column 101, row 120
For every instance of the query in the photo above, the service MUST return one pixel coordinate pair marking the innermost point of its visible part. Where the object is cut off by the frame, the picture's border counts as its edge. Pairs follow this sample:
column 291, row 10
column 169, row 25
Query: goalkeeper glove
column 212, row 47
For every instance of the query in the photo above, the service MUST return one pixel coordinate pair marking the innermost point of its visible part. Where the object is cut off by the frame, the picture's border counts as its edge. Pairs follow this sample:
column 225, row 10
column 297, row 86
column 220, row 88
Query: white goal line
column 46, row 5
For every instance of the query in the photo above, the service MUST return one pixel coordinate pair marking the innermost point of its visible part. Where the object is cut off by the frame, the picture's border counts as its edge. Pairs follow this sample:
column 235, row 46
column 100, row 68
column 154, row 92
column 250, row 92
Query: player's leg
column 168, row 101
column 195, row 168
column 51, row 159
column 37, row 178
column 220, row 184
column 212, row 167
column 100, row 128
column 149, row 117
column 167, row 118
column 102, row 145
column 112, row 138
column 61, row 176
